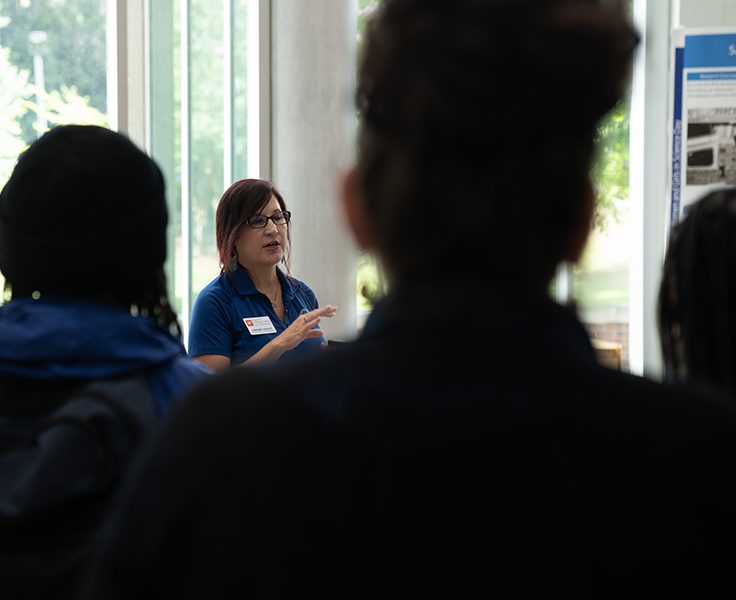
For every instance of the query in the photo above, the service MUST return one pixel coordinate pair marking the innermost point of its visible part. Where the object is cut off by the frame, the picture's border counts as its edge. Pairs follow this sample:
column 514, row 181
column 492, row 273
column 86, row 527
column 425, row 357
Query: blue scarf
column 73, row 339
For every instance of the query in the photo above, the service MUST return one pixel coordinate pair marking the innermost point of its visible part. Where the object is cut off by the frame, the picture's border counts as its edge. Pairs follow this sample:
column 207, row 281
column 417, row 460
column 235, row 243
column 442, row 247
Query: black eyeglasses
column 259, row 221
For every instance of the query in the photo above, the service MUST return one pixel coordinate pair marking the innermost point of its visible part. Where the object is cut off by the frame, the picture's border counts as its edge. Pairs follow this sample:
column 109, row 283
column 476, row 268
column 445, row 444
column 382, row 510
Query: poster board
column 703, row 115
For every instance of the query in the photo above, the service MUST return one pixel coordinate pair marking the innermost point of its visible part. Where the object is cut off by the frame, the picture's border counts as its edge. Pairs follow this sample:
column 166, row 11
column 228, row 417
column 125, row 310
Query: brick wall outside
column 612, row 332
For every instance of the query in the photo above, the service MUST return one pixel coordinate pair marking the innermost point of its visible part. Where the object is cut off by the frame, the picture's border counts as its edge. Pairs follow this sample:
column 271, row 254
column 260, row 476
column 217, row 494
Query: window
column 202, row 94
column 600, row 282
column 203, row 103
column 53, row 61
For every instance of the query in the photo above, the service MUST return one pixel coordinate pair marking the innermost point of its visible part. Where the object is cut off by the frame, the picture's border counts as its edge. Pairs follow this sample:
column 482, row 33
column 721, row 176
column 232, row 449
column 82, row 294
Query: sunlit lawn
column 603, row 288
column 602, row 279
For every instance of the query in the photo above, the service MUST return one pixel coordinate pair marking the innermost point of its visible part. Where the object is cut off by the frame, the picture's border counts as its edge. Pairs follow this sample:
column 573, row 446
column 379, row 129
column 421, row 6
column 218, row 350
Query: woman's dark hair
column 241, row 201
column 697, row 320
column 478, row 121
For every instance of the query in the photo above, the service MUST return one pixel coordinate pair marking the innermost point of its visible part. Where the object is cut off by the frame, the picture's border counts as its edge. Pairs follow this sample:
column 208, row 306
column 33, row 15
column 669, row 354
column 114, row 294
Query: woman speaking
column 253, row 311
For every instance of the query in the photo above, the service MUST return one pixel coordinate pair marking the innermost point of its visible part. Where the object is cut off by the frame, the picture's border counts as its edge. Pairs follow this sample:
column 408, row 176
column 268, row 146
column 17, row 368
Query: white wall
column 707, row 13
column 313, row 124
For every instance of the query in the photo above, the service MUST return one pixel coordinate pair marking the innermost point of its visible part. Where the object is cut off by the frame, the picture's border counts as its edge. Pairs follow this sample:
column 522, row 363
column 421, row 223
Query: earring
column 233, row 263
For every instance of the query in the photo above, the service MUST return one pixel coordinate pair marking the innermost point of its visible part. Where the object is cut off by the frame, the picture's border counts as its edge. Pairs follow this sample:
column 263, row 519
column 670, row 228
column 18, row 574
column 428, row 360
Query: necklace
column 274, row 298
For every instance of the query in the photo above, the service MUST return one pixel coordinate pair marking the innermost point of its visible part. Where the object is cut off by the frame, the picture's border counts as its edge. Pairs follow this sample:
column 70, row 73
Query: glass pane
column 52, row 70
column 240, row 60
column 601, row 280
column 165, row 119
column 199, row 133
column 206, row 101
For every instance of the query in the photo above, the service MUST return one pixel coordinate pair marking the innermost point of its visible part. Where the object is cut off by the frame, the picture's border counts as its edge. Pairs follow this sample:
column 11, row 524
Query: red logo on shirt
column 249, row 323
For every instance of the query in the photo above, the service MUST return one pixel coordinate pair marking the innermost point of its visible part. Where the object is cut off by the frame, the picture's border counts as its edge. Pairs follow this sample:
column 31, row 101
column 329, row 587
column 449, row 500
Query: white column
column 313, row 129
column 126, row 69
column 648, row 185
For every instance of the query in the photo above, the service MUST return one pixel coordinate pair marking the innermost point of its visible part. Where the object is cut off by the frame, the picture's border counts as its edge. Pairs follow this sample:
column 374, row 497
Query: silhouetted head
column 84, row 215
column 478, row 120
column 697, row 321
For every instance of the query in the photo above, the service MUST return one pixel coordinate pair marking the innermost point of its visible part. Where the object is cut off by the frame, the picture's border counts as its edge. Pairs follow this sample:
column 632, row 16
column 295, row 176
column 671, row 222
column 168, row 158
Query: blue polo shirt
column 218, row 317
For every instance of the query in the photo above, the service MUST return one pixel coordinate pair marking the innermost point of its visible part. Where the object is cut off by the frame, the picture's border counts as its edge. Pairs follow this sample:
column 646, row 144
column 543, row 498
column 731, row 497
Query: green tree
column 611, row 168
column 65, row 106
column 207, row 118
column 14, row 93
column 74, row 51
column 365, row 9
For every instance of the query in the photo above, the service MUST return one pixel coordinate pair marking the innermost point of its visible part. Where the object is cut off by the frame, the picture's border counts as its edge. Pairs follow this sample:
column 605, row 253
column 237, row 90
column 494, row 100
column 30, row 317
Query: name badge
column 259, row 325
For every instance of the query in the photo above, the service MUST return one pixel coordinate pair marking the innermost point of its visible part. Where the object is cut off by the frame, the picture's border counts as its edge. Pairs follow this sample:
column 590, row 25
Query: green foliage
column 207, row 118
column 75, row 50
column 610, row 172
column 365, row 9
column 370, row 282
column 65, row 106
column 14, row 93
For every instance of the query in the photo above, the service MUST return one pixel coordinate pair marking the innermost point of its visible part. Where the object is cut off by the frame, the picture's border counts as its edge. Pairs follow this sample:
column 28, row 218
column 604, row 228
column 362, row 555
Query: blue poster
column 703, row 108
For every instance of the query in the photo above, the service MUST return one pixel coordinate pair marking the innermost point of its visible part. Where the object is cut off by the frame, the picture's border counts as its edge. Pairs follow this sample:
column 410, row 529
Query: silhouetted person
column 697, row 299
column 83, row 381
column 468, row 443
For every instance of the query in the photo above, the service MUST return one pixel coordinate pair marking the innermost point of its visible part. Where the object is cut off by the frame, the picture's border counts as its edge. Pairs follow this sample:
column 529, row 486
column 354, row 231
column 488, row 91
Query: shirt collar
column 244, row 285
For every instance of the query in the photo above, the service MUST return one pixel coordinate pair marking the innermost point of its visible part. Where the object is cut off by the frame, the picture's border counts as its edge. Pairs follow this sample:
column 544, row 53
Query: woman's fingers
column 306, row 326
column 323, row 311
column 313, row 317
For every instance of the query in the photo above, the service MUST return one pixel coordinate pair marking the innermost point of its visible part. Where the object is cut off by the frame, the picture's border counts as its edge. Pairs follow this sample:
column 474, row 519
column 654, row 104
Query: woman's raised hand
column 304, row 327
